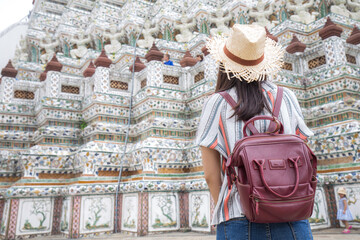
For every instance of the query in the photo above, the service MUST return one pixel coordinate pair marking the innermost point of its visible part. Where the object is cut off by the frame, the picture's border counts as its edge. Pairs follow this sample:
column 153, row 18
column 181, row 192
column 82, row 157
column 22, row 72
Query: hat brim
column 342, row 192
column 272, row 63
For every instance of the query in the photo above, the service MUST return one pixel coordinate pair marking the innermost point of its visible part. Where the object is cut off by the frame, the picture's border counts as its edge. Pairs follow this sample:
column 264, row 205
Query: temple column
column 75, row 217
column 334, row 46
column 184, row 210
column 11, row 229
column 58, row 201
column 143, row 214
column 102, row 80
column 210, row 71
column 119, row 213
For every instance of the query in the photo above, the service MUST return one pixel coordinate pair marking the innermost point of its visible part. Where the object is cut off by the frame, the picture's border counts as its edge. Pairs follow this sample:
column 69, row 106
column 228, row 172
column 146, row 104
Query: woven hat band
column 242, row 61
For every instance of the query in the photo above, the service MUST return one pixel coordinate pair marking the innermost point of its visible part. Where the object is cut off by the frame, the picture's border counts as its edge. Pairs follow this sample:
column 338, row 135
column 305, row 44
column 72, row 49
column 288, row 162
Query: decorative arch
column 66, row 49
column 204, row 27
column 132, row 39
column 242, row 19
column 99, row 43
column 34, row 53
column 168, row 34
column 323, row 9
column 282, row 14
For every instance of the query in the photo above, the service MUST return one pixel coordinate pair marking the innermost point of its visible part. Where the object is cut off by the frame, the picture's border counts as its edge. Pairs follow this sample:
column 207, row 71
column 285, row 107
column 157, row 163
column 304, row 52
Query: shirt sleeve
column 300, row 128
column 207, row 133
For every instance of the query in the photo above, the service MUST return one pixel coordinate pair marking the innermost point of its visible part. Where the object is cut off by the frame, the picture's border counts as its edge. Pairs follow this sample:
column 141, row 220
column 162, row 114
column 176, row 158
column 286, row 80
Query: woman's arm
column 345, row 205
column 212, row 171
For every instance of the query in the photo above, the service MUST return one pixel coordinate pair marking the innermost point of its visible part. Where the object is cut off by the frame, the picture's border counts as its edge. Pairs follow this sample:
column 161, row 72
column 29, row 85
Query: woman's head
column 251, row 98
column 247, row 53
column 247, row 57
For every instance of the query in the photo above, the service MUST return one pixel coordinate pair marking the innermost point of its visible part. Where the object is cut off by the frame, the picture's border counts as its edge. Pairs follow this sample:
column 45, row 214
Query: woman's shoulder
column 215, row 100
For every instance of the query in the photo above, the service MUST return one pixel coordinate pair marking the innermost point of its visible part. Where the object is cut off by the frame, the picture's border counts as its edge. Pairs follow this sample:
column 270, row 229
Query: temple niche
column 76, row 109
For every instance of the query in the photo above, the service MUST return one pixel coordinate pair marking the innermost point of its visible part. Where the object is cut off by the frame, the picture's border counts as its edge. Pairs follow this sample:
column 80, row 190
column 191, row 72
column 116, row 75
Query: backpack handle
column 279, row 127
column 295, row 162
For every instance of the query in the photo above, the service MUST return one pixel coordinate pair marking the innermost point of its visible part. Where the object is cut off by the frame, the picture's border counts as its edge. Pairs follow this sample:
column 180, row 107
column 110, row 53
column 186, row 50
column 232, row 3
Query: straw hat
column 341, row 190
column 247, row 52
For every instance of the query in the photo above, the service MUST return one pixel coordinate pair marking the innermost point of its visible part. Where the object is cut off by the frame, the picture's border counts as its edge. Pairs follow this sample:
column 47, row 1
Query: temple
column 76, row 110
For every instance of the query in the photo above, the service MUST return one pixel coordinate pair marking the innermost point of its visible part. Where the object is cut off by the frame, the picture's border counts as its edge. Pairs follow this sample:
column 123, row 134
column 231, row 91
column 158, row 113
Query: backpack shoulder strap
column 232, row 103
column 278, row 101
column 277, row 106
column 228, row 98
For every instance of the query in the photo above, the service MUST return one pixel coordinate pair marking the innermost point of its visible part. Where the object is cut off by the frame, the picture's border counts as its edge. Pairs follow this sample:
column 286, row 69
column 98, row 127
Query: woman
column 247, row 58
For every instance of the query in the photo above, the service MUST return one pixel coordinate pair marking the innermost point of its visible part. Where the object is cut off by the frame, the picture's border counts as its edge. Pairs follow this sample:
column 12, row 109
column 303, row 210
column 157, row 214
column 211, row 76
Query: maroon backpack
column 275, row 173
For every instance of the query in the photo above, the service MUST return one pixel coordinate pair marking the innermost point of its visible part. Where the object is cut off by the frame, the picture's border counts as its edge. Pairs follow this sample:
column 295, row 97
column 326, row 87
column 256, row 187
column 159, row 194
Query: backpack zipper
column 258, row 200
column 261, row 144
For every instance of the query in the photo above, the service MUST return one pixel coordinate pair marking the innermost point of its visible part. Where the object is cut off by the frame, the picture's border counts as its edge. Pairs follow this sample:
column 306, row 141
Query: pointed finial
column 354, row 37
column 9, row 70
column 330, row 29
column 295, row 46
column 103, row 60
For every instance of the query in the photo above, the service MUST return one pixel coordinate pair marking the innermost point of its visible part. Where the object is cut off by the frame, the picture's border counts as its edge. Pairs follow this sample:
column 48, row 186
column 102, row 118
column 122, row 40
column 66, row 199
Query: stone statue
column 114, row 45
column 356, row 6
column 301, row 11
column 49, row 47
column 185, row 34
column 220, row 21
column 80, row 42
column 261, row 15
column 21, row 52
column 340, row 8
column 147, row 33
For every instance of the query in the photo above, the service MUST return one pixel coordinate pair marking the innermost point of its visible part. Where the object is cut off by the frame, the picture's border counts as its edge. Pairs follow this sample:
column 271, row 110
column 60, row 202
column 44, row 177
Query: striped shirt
column 218, row 130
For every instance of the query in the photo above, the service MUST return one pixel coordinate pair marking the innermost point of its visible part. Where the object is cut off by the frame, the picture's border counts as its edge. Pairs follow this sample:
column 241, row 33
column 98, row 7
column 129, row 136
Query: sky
column 11, row 11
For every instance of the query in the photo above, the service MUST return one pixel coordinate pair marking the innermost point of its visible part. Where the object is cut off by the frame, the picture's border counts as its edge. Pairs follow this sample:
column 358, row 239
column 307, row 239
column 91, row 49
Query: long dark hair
column 251, row 99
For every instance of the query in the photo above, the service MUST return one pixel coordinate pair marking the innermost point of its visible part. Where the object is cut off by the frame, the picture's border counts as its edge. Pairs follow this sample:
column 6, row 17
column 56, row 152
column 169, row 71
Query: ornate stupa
column 88, row 146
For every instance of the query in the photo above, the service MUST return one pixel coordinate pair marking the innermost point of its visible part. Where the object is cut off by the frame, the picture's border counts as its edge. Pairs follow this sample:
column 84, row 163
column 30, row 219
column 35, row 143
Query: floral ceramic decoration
column 65, row 215
column 35, row 216
column 97, row 214
column 163, row 212
column 4, row 219
column 199, row 206
column 129, row 217
column 319, row 218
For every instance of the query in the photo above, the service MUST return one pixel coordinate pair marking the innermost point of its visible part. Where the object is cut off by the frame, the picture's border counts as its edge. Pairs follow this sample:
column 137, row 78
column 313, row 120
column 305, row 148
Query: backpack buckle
column 231, row 176
column 278, row 125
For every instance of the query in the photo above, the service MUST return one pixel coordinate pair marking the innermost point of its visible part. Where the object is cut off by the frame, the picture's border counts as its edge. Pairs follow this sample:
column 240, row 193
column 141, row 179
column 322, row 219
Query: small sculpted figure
column 301, row 11
column 185, row 34
column 80, row 42
column 356, row 7
column 49, row 46
column 220, row 21
column 340, row 8
column 261, row 15
column 147, row 33
column 114, row 36
column 21, row 52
